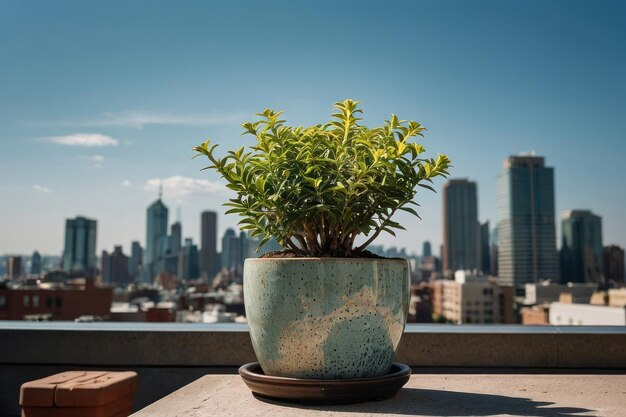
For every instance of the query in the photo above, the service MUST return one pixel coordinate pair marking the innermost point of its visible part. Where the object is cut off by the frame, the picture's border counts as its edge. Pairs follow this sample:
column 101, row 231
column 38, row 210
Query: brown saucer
column 325, row 391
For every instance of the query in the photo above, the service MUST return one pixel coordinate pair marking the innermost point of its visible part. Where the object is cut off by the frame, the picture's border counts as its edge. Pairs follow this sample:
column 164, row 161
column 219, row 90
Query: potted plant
column 325, row 308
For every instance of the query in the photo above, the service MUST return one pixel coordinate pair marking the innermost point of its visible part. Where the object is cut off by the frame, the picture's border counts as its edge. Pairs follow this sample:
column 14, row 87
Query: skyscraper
column 156, row 230
column 35, row 264
column 208, row 242
column 188, row 261
column 493, row 252
column 230, row 249
column 426, row 249
column 526, row 222
column 176, row 238
column 460, row 226
column 105, row 267
column 14, row 266
column 613, row 263
column 135, row 261
column 118, row 264
column 79, row 254
column 581, row 247
column 167, row 260
column 485, row 249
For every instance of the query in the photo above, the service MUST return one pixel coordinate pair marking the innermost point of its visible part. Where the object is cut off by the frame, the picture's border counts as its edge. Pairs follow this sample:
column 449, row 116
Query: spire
column 178, row 212
column 160, row 189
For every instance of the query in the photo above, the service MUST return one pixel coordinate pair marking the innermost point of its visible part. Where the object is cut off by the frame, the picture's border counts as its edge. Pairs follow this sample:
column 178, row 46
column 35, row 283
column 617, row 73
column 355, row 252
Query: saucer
column 325, row 391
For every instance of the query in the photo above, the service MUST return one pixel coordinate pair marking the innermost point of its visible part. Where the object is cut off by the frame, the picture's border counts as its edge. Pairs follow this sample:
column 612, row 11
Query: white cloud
column 178, row 186
column 140, row 119
column 97, row 158
column 83, row 139
column 126, row 183
column 42, row 189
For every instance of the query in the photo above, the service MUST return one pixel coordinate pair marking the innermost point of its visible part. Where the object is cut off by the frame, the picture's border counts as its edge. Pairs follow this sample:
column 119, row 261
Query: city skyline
column 197, row 235
column 487, row 80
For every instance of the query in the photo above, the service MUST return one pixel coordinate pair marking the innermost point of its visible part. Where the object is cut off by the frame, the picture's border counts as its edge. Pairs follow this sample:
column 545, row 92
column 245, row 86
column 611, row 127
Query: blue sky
column 151, row 79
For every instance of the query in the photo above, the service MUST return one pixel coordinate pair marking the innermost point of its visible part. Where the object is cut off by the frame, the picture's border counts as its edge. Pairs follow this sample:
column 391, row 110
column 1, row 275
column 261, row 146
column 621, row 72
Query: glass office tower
column 156, row 231
column 79, row 253
column 581, row 247
column 461, row 239
column 526, row 222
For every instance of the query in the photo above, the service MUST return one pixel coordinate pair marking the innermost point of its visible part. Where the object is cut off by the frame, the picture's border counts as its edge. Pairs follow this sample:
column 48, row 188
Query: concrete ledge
column 424, row 395
column 168, row 356
column 228, row 345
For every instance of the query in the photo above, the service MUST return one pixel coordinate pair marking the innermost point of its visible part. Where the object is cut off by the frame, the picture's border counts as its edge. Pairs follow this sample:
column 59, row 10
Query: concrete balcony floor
column 489, row 394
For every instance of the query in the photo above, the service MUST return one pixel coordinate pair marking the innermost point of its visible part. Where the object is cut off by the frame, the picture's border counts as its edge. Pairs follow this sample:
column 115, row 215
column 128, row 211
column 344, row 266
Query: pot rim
column 326, row 259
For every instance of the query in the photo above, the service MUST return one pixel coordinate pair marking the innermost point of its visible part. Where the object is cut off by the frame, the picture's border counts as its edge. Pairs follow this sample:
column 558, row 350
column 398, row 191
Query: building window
column 26, row 300
column 49, row 302
column 3, row 301
column 59, row 302
column 35, row 301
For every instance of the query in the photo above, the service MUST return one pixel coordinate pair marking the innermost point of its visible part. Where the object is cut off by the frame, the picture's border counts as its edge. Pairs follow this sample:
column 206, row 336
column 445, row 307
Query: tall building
column 493, row 252
column 167, row 260
column 526, row 222
column 36, row 264
column 164, row 247
column 156, row 230
column 188, row 265
column 208, row 241
column 176, row 238
column 105, row 267
column 460, row 226
column 613, row 263
column 79, row 254
column 581, row 247
column 426, row 249
column 14, row 266
column 247, row 247
column 230, row 249
column 485, row 249
column 115, row 267
column 135, row 261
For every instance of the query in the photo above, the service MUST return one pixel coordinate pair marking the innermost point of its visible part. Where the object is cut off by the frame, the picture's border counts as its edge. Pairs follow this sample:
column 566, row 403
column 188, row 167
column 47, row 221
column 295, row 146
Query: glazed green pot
column 327, row 318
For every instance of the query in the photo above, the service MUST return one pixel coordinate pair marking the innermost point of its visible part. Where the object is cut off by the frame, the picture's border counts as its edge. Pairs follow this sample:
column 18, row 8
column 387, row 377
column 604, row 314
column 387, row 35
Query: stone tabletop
column 424, row 395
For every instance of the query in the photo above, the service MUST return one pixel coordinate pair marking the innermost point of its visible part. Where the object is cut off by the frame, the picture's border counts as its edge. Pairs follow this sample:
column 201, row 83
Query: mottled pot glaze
column 326, row 318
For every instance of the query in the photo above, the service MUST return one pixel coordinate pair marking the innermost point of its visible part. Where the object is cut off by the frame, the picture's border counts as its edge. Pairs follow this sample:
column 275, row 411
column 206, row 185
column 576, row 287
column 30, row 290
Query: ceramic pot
column 326, row 318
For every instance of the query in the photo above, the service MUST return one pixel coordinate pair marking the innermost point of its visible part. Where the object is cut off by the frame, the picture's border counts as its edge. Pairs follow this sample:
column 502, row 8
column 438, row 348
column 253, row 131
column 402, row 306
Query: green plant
column 316, row 189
